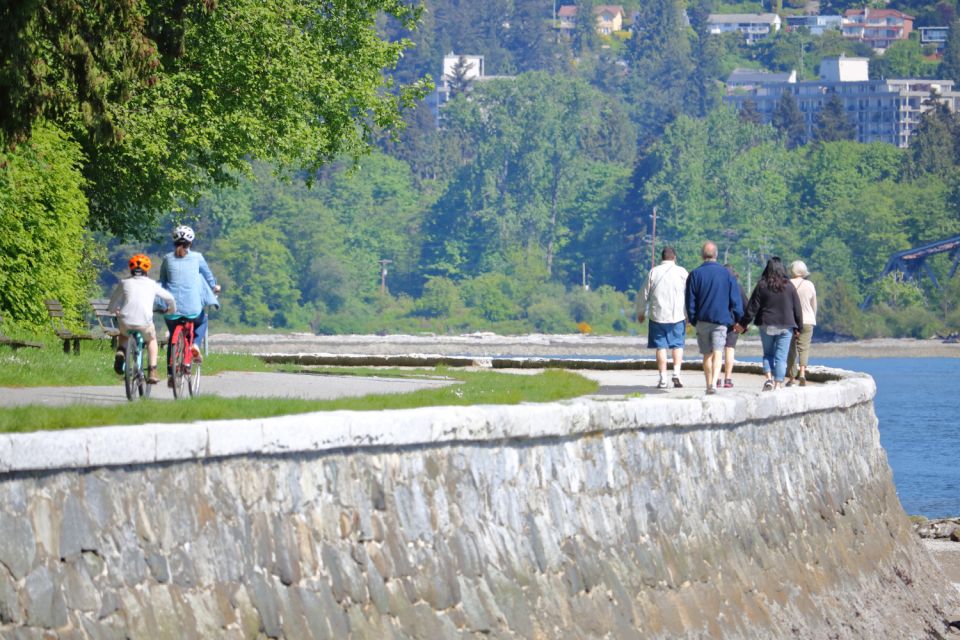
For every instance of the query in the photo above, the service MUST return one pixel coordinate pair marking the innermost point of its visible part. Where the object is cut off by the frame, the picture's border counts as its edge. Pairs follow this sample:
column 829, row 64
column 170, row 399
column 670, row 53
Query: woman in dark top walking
column 775, row 308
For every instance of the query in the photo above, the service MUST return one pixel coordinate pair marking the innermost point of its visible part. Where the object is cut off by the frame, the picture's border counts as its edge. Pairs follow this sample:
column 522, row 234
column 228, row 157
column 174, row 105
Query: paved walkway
column 229, row 384
column 233, row 384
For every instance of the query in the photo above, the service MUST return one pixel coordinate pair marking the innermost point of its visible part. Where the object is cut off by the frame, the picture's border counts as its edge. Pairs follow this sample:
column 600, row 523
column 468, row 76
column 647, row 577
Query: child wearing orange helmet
column 132, row 300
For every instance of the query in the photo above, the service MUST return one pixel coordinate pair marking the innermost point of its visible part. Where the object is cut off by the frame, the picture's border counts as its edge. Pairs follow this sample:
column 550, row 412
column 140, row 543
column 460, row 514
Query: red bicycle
column 186, row 372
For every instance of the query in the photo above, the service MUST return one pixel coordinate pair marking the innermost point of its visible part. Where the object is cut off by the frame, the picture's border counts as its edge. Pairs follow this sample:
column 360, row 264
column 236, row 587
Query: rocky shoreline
column 938, row 529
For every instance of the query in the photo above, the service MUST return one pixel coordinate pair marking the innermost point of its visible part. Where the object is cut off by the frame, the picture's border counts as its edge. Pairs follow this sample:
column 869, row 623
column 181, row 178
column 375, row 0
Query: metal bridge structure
column 912, row 263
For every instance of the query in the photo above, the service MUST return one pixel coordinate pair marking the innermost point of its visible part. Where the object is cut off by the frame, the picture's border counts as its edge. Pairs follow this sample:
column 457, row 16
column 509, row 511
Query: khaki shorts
column 149, row 331
column 711, row 337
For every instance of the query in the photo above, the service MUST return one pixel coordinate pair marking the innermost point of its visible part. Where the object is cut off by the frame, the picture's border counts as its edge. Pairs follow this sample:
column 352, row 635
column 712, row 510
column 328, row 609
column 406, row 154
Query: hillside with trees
column 328, row 195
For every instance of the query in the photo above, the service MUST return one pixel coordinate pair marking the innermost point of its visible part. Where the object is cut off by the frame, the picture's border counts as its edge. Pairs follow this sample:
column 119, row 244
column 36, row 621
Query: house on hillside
column 887, row 110
column 816, row 24
column 877, row 27
column 460, row 73
column 609, row 17
column 566, row 18
column 752, row 26
column 934, row 36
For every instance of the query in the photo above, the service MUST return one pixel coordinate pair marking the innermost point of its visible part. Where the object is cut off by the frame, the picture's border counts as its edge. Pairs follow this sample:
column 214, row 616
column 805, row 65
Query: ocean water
column 918, row 407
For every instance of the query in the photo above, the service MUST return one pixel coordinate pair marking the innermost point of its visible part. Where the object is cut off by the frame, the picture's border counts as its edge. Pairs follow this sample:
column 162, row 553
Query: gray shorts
column 711, row 337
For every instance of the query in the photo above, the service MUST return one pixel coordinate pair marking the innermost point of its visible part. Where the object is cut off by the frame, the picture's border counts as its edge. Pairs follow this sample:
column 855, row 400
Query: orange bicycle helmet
column 141, row 262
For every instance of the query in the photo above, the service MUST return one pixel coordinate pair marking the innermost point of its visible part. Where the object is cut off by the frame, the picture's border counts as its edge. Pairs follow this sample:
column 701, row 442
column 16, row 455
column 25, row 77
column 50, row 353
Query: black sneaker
column 118, row 361
column 677, row 382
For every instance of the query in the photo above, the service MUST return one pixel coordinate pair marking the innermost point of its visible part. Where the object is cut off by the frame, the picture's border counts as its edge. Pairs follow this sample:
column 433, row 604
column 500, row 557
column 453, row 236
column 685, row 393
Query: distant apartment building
column 877, row 27
column 817, row 25
column 934, row 36
column 752, row 26
column 609, row 17
column 886, row 110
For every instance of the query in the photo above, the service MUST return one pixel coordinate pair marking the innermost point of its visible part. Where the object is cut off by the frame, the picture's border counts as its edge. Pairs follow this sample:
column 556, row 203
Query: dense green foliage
column 167, row 98
column 469, row 388
column 43, row 212
column 530, row 207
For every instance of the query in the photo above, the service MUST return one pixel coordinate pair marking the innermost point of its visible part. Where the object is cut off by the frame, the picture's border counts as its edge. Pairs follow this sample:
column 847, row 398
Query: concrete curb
column 324, row 431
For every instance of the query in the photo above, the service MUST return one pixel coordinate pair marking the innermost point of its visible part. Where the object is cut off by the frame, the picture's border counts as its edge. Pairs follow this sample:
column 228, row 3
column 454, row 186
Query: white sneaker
column 662, row 384
column 195, row 353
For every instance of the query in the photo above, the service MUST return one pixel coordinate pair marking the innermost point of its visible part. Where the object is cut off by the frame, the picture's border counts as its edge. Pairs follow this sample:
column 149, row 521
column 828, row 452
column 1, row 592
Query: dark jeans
column 199, row 333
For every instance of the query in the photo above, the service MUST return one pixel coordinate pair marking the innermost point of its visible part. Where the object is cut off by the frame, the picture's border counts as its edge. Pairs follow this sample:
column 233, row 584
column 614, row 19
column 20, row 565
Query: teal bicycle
column 134, row 377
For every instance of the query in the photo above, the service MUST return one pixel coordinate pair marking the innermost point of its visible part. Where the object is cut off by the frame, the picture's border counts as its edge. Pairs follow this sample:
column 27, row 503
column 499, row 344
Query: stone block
column 43, row 600
column 79, row 591
column 117, row 446
column 77, row 530
column 307, row 432
column 180, row 442
column 234, row 437
column 51, row 450
column 18, row 546
column 10, row 612
column 7, row 462
column 264, row 598
column 403, row 429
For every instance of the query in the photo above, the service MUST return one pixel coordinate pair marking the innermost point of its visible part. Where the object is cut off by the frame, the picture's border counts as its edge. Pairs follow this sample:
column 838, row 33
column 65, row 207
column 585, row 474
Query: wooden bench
column 55, row 309
column 16, row 344
column 106, row 320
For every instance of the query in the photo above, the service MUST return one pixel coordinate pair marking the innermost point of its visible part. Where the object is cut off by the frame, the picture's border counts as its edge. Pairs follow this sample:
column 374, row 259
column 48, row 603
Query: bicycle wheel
column 142, row 385
column 193, row 380
column 130, row 368
column 179, row 368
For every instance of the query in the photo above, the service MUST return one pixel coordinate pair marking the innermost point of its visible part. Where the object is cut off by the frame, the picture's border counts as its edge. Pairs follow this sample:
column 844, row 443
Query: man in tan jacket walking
column 662, row 294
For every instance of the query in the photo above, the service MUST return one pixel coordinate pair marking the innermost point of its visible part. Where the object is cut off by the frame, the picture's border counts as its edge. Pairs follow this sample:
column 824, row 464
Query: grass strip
column 476, row 387
column 93, row 366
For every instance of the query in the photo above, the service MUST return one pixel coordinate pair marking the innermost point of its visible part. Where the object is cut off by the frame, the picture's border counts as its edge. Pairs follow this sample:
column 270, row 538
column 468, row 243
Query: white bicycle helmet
column 183, row 233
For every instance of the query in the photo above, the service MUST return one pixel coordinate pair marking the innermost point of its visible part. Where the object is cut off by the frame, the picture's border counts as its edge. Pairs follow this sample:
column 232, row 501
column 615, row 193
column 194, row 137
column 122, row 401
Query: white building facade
column 752, row 26
column 886, row 110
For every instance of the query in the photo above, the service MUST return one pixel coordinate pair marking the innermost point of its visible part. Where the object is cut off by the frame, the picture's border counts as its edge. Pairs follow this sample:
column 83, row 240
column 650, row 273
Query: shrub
column 44, row 249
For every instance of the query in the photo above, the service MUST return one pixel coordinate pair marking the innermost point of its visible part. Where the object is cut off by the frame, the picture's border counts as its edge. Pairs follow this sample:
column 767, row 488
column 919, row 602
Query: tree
column 459, row 79
column 182, row 96
column 788, row 119
column 529, row 141
column 832, row 124
column 902, row 59
column 257, row 273
column 713, row 175
column 73, row 61
column 933, row 144
column 585, row 37
column 950, row 65
column 786, row 51
column 44, row 250
column 659, row 55
column 749, row 113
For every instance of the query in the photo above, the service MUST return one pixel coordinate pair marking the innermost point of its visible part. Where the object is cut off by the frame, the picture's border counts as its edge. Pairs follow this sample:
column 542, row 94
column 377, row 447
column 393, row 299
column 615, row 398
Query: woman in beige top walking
column 800, row 345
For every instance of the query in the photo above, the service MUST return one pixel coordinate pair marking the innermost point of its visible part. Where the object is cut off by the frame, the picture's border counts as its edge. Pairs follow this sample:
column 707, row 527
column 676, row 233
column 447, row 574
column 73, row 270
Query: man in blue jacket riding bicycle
column 186, row 275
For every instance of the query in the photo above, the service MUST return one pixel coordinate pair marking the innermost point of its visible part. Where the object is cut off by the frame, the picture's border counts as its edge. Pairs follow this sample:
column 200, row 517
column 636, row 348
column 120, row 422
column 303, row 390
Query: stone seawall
column 737, row 516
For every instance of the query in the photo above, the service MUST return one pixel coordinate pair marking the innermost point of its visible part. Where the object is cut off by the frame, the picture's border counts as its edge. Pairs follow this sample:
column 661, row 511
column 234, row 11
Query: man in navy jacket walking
column 713, row 303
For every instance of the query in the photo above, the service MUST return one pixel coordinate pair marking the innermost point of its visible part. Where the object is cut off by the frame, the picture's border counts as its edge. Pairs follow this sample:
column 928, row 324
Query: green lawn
column 50, row 366
column 95, row 367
